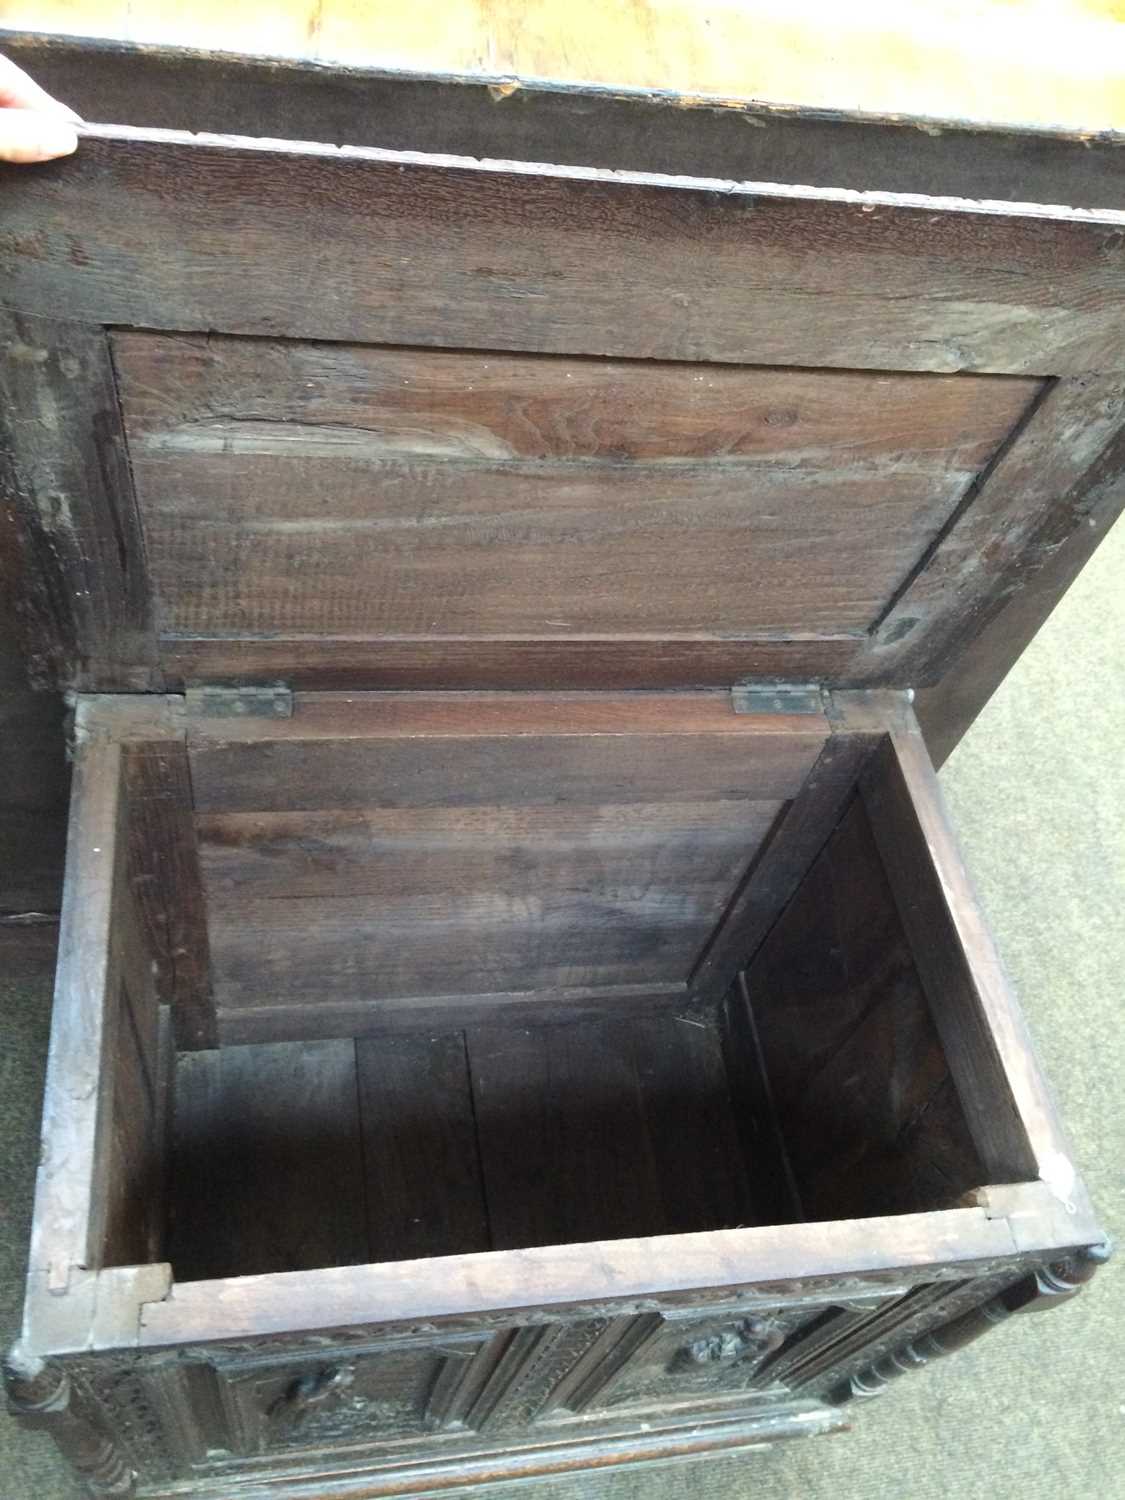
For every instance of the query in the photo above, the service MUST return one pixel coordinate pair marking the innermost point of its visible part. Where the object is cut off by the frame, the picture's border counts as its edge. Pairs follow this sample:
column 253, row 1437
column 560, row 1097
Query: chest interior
column 451, row 972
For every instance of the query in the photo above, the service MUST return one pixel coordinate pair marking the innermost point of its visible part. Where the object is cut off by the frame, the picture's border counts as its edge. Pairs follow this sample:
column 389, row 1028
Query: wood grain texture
column 423, row 1189
column 350, row 491
column 606, row 1273
column 402, row 1015
column 460, row 255
column 605, row 1131
column 422, row 663
column 1063, row 467
column 427, row 900
column 398, row 854
column 164, row 876
column 65, row 472
column 782, row 860
column 364, row 750
column 985, row 1038
column 867, row 1109
column 480, row 843
column 187, row 397
column 98, row 1193
column 267, row 1168
column 1071, row 530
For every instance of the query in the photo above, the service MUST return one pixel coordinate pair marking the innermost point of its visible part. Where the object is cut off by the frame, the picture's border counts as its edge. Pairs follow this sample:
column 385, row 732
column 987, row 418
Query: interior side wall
column 859, row 1087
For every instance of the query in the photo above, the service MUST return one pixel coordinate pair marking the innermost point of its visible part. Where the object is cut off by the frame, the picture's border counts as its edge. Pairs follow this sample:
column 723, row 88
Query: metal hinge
column 273, row 701
column 777, row 698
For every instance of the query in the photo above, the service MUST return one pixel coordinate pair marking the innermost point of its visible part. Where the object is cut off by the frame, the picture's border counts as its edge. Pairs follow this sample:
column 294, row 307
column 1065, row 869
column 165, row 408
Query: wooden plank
column 436, row 922
column 424, row 1194
column 299, row 952
column 375, row 750
column 705, row 1181
column 174, row 89
column 64, row 463
column 609, row 1272
column 1050, row 564
column 776, row 1196
column 528, row 664
column 1062, row 468
column 267, row 1170
column 990, row 1053
column 70, row 1195
column 783, row 859
column 238, row 545
column 481, row 844
column 165, row 878
column 400, row 853
column 604, row 1131
column 33, row 763
column 562, row 1141
column 461, row 494
column 485, row 255
column 410, row 1014
column 412, row 892
column 186, row 398
column 855, row 1066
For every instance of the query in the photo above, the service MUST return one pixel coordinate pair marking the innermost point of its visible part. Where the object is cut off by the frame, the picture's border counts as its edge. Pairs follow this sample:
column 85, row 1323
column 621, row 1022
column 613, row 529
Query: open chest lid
column 351, row 417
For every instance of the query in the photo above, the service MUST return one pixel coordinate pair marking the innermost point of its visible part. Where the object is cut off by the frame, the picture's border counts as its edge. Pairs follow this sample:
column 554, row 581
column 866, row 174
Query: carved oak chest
column 520, row 1004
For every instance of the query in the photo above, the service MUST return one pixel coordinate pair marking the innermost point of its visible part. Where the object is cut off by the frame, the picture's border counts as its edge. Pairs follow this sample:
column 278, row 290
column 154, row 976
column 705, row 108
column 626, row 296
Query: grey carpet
column 1038, row 1409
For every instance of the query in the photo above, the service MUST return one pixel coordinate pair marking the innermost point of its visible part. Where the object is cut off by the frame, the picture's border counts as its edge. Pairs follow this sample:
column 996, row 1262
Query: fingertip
column 28, row 136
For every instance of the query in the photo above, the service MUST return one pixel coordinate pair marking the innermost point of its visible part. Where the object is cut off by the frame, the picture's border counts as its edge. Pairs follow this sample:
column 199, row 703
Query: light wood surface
column 1034, row 62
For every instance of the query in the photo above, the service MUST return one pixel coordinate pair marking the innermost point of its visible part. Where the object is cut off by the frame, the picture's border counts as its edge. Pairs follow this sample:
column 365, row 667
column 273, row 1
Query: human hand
column 33, row 126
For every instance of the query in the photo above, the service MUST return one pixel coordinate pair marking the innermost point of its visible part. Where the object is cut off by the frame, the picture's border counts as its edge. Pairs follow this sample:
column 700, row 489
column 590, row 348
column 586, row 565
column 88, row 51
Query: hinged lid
column 358, row 418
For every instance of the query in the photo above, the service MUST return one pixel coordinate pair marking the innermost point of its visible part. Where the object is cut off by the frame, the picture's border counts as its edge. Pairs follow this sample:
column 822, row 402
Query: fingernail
column 54, row 138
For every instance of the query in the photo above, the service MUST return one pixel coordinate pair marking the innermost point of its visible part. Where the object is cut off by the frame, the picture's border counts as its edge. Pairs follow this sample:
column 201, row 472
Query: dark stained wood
column 366, row 750
column 185, row 398
column 65, row 469
column 608, row 1272
column 755, row 1113
column 267, row 1167
column 165, row 878
column 605, row 1131
column 426, row 853
column 464, row 255
column 174, row 89
column 782, row 860
column 422, row 663
column 33, row 762
column 984, row 1036
column 1062, row 467
column 1066, row 541
column 705, row 1181
column 451, row 493
column 855, row 1067
column 424, row 1194
column 511, row 849
column 332, row 950
column 397, row 1015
